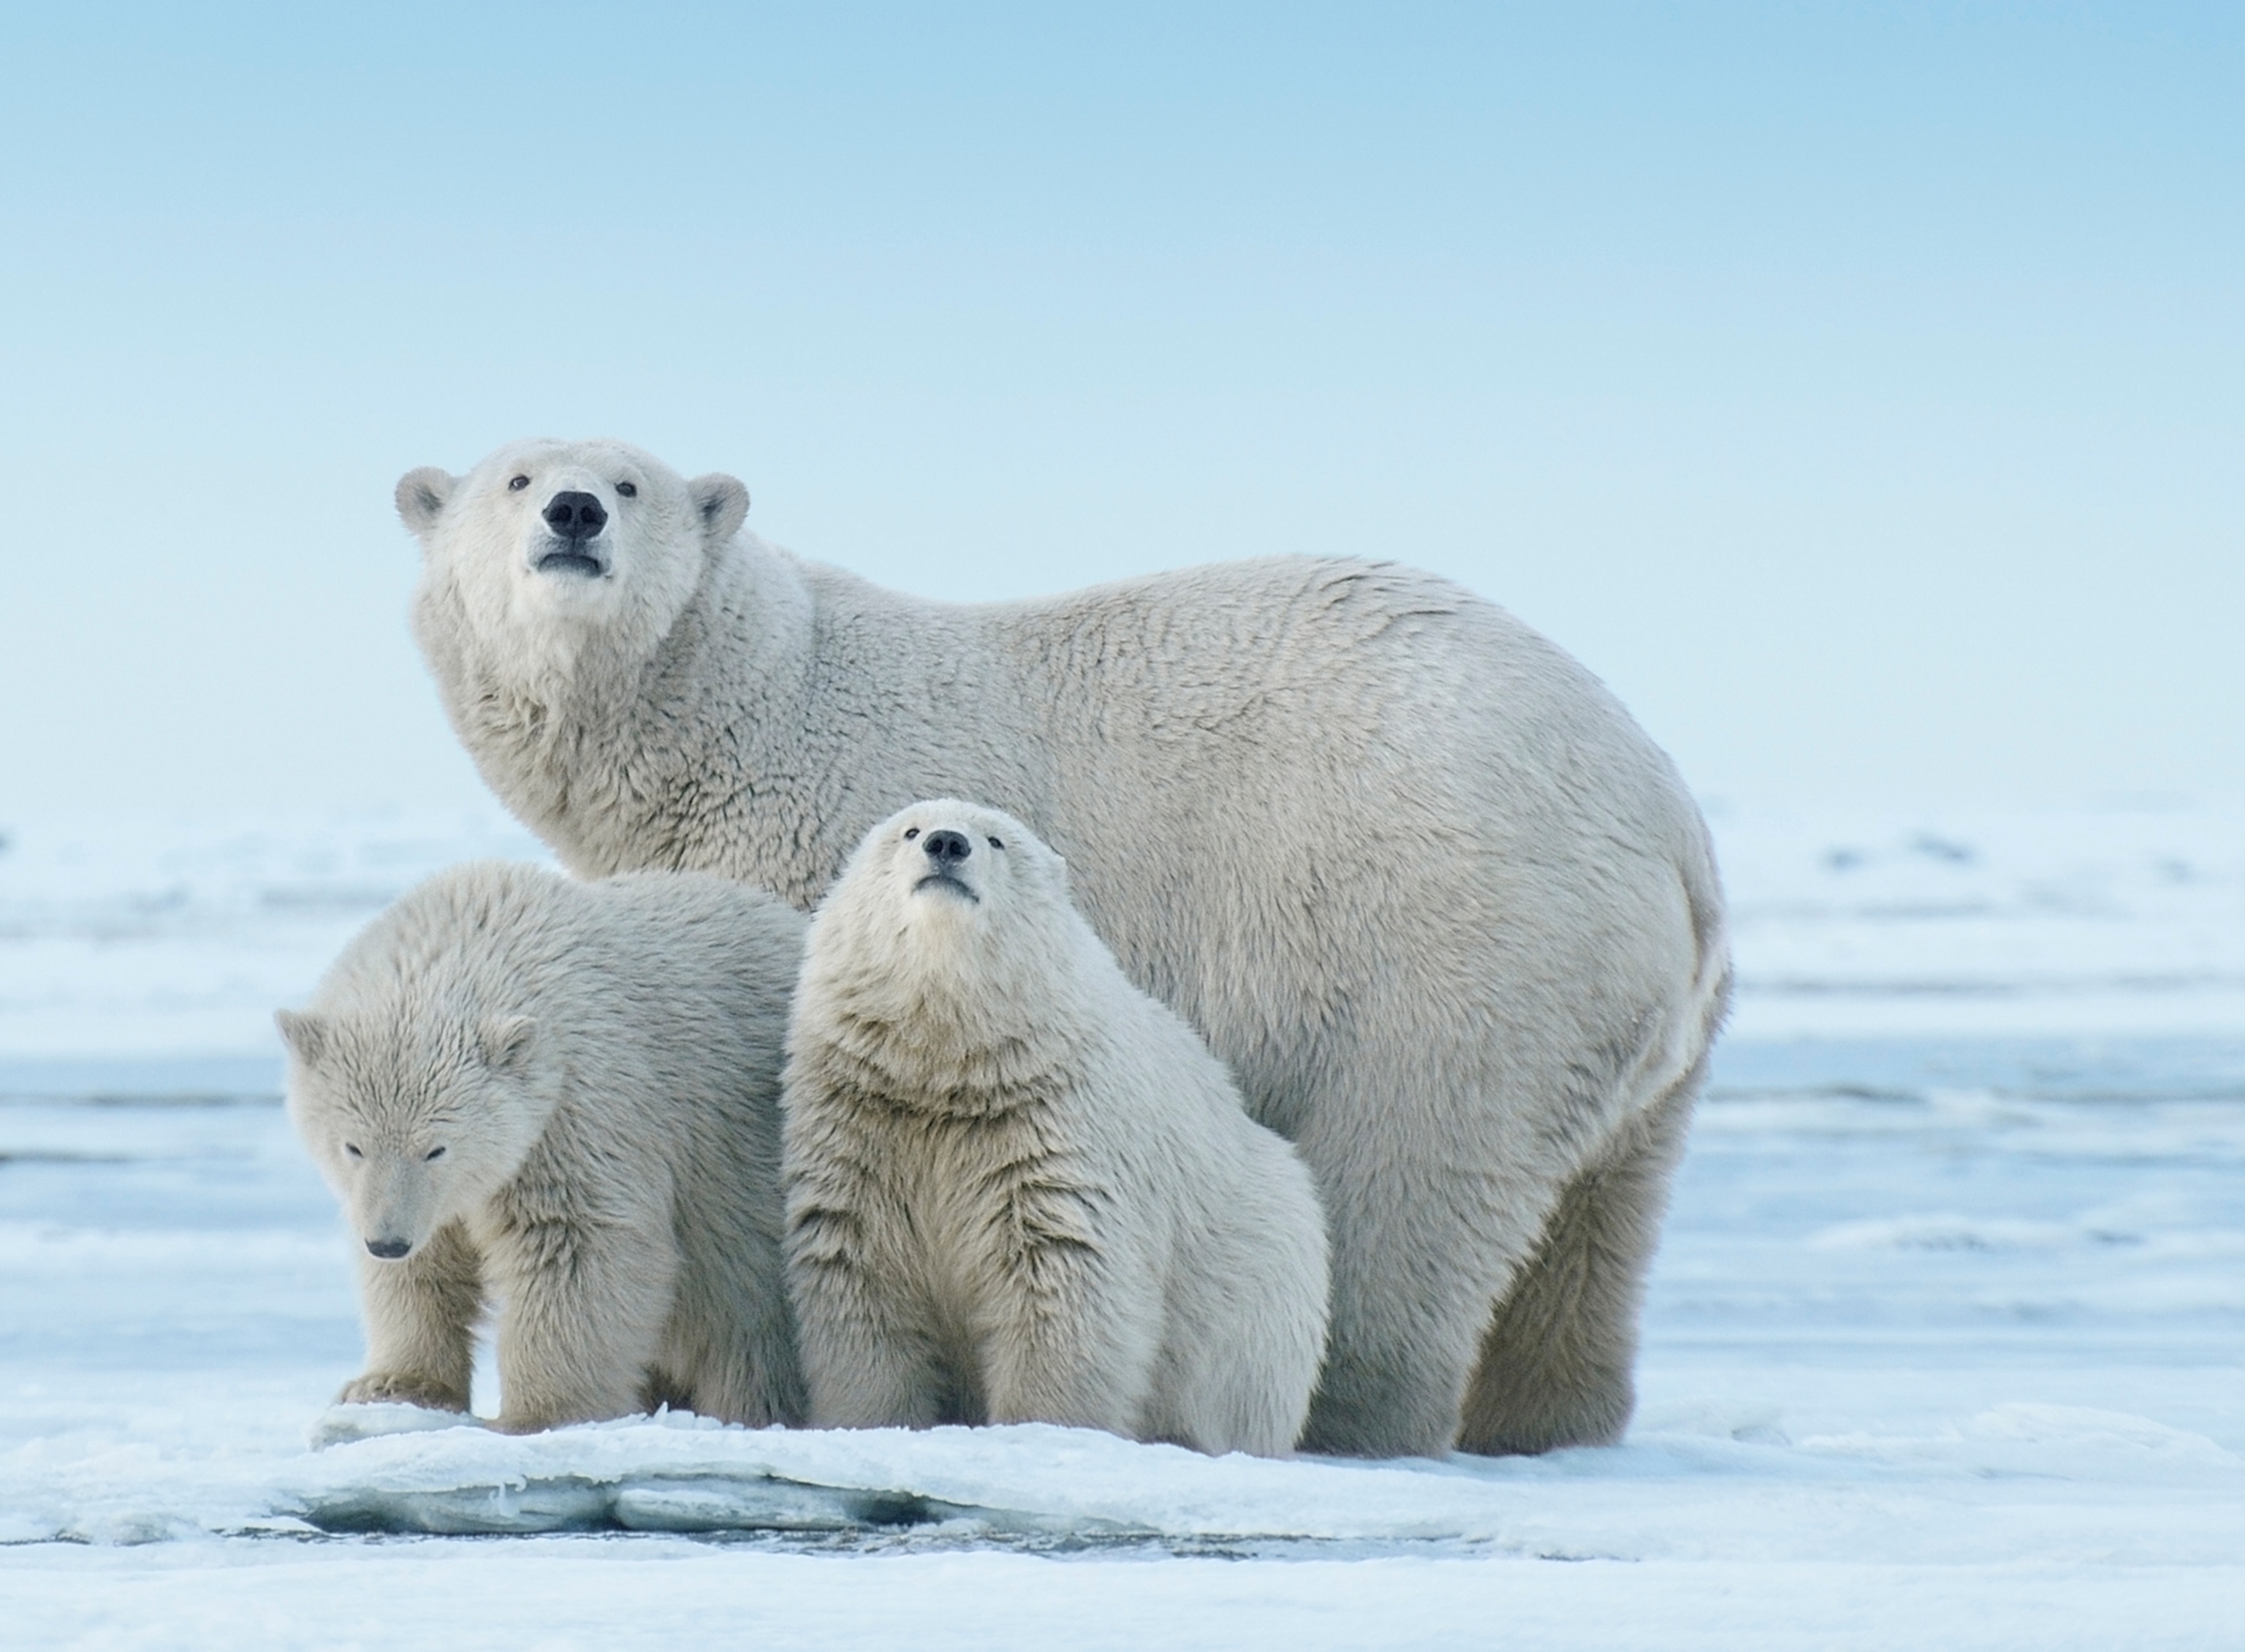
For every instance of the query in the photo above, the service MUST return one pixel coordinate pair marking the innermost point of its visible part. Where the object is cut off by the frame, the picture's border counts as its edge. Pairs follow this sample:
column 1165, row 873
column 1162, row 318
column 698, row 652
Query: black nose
column 389, row 1250
column 576, row 516
column 947, row 849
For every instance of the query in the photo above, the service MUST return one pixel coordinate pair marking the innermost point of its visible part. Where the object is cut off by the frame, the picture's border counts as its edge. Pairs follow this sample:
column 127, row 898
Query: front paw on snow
column 383, row 1388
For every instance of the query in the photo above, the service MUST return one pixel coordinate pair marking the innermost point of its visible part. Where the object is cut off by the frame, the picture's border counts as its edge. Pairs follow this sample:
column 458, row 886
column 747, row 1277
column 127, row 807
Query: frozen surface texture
column 150, row 938
column 176, row 938
column 2120, row 920
column 1946, row 1345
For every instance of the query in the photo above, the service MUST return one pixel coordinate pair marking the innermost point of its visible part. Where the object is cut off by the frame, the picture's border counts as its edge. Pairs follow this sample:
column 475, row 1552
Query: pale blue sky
column 1860, row 389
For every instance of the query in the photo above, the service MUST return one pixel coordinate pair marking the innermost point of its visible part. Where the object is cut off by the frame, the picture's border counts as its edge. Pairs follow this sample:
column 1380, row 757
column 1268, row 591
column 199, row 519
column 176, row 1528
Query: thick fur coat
column 1448, row 917
column 562, row 1099
column 1018, row 1188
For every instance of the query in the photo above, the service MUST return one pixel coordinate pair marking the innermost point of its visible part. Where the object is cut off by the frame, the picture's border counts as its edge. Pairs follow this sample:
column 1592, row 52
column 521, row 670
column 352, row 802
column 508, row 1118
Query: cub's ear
column 421, row 494
column 722, row 503
column 505, row 1041
column 306, row 1034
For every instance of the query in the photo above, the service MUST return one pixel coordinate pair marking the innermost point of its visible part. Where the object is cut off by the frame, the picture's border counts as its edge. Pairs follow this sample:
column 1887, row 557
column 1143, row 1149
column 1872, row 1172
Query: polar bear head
column 414, row 1120
column 546, row 544
column 953, row 919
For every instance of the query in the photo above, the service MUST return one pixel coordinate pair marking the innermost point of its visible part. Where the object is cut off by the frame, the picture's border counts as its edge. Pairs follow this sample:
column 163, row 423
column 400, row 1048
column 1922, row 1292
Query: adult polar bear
column 1448, row 915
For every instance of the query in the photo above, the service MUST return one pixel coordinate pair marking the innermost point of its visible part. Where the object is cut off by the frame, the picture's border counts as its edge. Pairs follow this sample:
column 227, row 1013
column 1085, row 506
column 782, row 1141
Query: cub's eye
column 432, row 1156
column 352, row 1149
column 994, row 843
column 629, row 489
column 910, row 832
column 515, row 485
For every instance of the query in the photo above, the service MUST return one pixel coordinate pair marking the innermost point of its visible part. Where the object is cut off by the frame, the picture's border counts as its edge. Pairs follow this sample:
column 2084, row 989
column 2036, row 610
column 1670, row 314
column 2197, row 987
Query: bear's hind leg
column 1420, row 1247
column 1558, row 1361
column 729, row 1352
column 1400, row 1350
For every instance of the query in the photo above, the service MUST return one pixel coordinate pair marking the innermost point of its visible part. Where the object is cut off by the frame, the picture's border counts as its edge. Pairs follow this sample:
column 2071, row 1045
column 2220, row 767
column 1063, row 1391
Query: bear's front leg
column 1073, row 1336
column 585, row 1306
column 868, row 1359
column 420, row 1315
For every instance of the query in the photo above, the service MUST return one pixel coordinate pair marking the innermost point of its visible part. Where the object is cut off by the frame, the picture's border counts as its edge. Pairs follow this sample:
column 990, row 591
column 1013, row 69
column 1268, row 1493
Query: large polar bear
column 1446, row 914
column 562, row 1099
column 1018, row 1188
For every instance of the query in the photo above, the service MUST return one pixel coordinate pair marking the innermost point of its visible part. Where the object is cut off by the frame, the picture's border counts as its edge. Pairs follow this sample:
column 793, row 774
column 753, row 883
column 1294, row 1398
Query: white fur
column 1444, row 911
column 562, row 1098
column 1019, row 1189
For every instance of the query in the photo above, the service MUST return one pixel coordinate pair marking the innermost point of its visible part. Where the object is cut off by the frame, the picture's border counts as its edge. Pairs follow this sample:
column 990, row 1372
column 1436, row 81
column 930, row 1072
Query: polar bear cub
column 1018, row 1188
column 561, row 1098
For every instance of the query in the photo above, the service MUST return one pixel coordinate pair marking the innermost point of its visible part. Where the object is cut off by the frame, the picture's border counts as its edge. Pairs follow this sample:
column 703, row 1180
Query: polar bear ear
column 722, row 503
column 422, row 495
column 304, row 1034
column 505, row 1039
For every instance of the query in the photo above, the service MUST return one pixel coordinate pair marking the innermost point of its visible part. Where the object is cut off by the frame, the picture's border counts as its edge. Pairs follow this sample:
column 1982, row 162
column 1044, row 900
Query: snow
column 1946, row 1344
column 152, row 937
column 175, row 938
column 553, row 1595
column 2117, row 921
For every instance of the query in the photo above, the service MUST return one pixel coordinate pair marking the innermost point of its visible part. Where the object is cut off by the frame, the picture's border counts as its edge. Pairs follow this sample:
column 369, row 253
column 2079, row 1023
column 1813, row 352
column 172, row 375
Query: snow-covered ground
column 153, row 939
column 1946, row 1347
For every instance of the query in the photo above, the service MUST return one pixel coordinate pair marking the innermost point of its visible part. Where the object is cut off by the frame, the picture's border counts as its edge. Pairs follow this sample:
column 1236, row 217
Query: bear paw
column 400, row 1388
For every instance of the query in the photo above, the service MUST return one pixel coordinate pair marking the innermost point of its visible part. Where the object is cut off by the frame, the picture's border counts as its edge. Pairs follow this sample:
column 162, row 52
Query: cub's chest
column 967, row 1198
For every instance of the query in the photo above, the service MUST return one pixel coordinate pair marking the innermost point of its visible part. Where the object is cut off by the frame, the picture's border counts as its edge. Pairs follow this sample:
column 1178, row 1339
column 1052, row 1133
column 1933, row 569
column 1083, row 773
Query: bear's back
column 696, row 973
column 655, row 986
column 1161, row 1106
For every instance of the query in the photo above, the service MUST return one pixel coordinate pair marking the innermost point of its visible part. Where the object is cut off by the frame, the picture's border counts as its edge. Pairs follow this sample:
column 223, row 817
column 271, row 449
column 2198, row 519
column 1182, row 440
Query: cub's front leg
column 1074, row 1331
column 583, row 1322
column 868, row 1359
column 420, row 1315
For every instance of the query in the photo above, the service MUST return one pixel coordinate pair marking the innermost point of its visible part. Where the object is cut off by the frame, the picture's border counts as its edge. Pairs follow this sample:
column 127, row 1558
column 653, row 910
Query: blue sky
column 1860, row 390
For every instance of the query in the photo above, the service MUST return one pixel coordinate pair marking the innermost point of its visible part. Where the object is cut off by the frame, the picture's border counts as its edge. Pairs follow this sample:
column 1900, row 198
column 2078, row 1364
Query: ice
column 153, row 937
column 2115, row 921
column 1749, row 1491
column 1946, row 1345
column 175, row 938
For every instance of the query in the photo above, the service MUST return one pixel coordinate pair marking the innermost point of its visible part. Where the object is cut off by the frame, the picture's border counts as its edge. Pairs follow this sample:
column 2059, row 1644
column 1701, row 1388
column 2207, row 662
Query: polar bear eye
column 515, row 485
column 910, row 832
column 432, row 1156
column 994, row 843
column 629, row 489
column 352, row 1147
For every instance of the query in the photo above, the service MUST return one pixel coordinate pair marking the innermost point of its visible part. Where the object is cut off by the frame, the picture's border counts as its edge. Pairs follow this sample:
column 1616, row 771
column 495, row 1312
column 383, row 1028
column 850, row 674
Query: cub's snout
column 576, row 519
column 946, row 850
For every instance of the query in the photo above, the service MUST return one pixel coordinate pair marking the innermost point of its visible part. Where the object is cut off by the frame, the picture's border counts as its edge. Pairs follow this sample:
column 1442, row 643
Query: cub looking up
column 1019, row 1189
